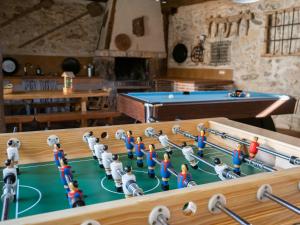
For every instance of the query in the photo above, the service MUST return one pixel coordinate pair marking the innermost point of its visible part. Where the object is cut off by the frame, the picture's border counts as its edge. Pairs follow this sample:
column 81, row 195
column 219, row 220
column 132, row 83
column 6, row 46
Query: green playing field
column 40, row 189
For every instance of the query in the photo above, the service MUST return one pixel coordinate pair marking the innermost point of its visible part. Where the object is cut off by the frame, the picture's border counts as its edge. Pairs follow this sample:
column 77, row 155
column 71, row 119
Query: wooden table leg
column 83, row 110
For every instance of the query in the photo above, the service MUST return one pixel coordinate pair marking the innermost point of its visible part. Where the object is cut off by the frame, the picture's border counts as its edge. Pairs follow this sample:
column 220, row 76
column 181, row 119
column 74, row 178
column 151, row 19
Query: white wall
column 126, row 11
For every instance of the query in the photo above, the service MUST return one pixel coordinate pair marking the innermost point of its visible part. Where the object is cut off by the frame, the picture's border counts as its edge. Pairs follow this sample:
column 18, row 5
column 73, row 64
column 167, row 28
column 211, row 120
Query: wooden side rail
column 19, row 119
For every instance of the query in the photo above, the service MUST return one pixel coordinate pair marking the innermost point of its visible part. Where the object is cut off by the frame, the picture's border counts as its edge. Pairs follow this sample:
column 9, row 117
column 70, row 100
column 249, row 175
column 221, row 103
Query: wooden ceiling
column 178, row 3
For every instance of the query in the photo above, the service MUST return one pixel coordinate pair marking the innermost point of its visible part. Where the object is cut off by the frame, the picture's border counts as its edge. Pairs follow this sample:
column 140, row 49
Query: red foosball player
column 65, row 171
column 58, row 154
column 237, row 158
column 164, row 172
column 75, row 195
column 139, row 147
column 128, row 143
column 253, row 148
column 151, row 154
column 201, row 143
column 184, row 177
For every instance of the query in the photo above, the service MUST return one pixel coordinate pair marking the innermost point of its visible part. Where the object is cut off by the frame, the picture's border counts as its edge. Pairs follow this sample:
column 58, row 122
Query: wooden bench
column 19, row 119
column 73, row 116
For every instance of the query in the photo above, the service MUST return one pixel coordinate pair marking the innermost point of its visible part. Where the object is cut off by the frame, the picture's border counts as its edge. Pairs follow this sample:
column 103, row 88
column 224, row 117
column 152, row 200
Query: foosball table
column 205, row 171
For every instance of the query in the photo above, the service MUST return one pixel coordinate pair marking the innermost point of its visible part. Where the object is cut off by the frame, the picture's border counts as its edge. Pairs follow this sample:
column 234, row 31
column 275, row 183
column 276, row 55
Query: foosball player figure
column 253, row 148
column 188, row 152
column 220, row 167
column 75, row 195
column 237, row 158
column 127, row 177
column 13, row 154
column 8, row 171
column 164, row 141
column 117, row 166
column 129, row 140
column 164, row 172
column 107, row 160
column 151, row 154
column 184, row 177
column 139, row 146
column 65, row 170
column 201, row 139
column 92, row 141
column 58, row 154
column 98, row 148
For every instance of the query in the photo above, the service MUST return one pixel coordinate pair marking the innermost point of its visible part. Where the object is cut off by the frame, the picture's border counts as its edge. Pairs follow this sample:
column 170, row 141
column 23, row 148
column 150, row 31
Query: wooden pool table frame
column 240, row 193
column 242, row 109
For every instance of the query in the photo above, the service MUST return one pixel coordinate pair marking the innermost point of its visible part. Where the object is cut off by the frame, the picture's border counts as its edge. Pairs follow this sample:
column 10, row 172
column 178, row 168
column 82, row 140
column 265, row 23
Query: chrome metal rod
column 5, row 209
column 251, row 162
column 282, row 202
column 7, row 192
column 232, row 214
column 179, row 148
column 292, row 159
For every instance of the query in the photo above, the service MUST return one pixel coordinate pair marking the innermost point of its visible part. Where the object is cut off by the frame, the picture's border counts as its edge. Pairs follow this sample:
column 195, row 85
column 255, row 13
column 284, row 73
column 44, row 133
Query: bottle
column 38, row 71
column 91, row 70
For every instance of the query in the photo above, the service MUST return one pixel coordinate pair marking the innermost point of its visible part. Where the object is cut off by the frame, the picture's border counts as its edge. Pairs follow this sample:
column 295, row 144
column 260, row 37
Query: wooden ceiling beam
column 178, row 3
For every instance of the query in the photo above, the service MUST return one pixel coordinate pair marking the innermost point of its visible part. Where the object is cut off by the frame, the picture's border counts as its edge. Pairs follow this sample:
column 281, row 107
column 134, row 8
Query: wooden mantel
column 137, row 54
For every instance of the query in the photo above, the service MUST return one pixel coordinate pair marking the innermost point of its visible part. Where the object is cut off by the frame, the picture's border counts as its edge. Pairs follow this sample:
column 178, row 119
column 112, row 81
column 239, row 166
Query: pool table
column 256, row 108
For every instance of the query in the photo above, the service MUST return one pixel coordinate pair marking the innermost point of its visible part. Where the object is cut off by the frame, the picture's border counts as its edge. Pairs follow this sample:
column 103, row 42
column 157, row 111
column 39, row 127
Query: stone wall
column 252, row 71
column 76, row 39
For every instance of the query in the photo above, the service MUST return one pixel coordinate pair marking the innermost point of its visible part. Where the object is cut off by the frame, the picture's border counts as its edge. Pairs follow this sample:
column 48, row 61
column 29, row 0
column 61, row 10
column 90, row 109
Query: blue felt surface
column 198, row 96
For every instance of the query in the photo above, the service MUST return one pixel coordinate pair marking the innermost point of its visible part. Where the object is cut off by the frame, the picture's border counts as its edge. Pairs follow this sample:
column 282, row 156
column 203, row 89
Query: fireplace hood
column 132, row 28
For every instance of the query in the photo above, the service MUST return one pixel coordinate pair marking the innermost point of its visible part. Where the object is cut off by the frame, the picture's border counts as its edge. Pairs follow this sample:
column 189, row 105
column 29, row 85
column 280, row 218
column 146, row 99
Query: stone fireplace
column 131, row 69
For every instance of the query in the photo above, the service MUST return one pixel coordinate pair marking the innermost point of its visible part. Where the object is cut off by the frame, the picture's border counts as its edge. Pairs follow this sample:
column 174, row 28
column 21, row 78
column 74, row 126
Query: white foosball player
column 10, row 180
column 220, row 168
column 127, row 179
column 117, row 166
column 107, row 160
column 164, row 141
column 13, row 146
column 99, row 149
column 90, row 139
column 188, row 152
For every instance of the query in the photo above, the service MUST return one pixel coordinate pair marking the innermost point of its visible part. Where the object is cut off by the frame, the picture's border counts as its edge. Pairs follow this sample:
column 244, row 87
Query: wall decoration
column 220, row 53
column 138, row 27
column 215, row 22
column 180, row 53
column 123, row 42
column 198, row 51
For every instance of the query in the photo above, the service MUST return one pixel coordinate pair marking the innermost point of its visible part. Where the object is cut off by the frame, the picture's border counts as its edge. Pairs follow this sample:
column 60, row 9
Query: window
column 283, row 32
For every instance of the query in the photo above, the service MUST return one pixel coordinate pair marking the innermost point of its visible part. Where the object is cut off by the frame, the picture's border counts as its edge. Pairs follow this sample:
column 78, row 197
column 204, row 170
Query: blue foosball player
column 184, row 177
column 129, row 140
column 58, row 154
column 201, row 139
column 139, row 146
column 237, row 158
column 151, row 154
column 65, row 171
column 75, row 195
column 164, row 172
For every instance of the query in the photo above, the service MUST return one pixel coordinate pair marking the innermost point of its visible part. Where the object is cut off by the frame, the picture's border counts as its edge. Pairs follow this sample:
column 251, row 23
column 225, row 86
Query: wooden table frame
column 240, row 193
column 82, row 95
